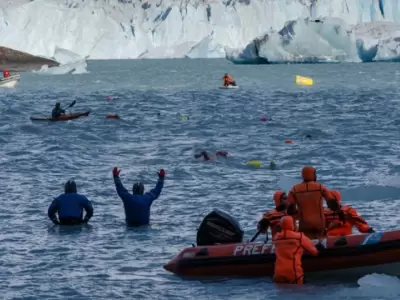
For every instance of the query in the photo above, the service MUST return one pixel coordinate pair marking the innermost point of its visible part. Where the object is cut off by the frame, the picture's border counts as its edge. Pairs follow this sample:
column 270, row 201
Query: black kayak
column 65, row 117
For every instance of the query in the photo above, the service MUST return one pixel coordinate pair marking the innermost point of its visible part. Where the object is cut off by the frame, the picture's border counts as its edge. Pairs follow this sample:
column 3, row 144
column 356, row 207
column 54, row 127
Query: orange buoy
column 115, row 116
column 288, row 141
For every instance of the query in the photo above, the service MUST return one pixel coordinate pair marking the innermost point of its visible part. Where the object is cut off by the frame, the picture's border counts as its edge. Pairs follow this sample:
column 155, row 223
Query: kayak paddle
column 72, row 104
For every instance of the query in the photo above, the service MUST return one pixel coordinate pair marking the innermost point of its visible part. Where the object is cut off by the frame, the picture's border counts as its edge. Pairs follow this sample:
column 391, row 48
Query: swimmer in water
column 206, row 156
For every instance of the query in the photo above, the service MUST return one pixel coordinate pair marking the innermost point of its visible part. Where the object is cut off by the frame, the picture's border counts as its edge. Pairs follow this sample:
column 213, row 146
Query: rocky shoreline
column 18, row 61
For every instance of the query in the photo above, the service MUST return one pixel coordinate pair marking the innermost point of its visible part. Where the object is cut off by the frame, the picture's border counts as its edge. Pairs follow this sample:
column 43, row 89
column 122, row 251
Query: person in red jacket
column 272, row 218
column 305, row 201
column 340, row 219
column 228, row 80
column 289, row 246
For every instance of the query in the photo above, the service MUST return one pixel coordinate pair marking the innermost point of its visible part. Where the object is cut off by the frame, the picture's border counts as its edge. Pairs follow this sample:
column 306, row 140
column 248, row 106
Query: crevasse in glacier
column 241, row 30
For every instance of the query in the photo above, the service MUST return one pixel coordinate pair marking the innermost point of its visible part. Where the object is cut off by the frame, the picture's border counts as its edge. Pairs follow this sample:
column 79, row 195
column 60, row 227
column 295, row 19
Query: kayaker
column 70, row 206
column 6, row 74
column 272, row 218
column 137, row 206
column 305, row 199
column 340, row 219
column 289, row 247
column 228, row 80
column 57, row 111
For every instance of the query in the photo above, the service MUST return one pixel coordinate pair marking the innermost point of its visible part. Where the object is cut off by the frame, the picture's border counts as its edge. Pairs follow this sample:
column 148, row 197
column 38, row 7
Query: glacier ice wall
column 115, row 29
column 70, row 63
column 323, row 40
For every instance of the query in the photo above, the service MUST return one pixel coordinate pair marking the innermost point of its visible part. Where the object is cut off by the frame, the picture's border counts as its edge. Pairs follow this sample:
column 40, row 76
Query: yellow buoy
column 300, row 80
column 254, row 163
column 184, row 118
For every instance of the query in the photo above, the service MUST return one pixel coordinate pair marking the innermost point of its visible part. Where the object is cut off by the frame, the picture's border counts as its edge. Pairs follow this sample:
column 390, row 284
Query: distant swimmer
column 206, row 157
column 137, row 205
column 228, row 80
column 57, row 111
column 70, row 206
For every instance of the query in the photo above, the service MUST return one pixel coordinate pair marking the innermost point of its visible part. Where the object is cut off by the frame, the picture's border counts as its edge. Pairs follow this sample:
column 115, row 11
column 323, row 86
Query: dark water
column 351, row 112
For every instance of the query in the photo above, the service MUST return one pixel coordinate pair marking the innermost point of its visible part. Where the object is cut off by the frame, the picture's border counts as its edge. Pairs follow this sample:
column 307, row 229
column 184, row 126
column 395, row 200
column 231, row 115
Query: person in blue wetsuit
column 57, row 111
column 70, row 206
column 137, row 205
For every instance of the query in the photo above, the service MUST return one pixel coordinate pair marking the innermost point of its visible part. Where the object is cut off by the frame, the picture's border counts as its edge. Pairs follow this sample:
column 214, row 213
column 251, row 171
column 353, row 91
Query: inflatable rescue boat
column 221, row 252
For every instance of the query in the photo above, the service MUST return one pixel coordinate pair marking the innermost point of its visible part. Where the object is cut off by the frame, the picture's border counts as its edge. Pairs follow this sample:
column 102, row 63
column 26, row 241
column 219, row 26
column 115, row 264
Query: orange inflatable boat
column 358, row 254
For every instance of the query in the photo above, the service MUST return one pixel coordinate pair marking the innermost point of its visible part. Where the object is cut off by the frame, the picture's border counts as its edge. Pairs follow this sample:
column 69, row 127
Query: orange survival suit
column 6, row 74
column 307, row 197
column 289, row 247
column 340, row 219
column 227, row 80
column 273, row 217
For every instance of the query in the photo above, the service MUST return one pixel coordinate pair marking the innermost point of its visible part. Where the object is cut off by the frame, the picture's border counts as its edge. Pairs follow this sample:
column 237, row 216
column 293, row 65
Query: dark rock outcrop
column 19, row 61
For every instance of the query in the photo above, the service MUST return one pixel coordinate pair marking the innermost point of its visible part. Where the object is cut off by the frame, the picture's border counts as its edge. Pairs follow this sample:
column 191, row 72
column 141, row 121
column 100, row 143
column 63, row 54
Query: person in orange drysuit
column 228, row 80
column 289, row 247
column 340, row 219
column 6, row 74
column 272, row 218
column 305, row 200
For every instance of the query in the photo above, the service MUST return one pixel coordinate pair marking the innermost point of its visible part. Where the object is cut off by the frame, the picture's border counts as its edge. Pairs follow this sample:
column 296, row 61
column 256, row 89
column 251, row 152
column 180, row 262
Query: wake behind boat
column 220, row 251
column 10, row 81
column 229, row 87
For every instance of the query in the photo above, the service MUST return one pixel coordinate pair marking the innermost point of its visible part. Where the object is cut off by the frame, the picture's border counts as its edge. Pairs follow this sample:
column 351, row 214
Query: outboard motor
column 219, row 228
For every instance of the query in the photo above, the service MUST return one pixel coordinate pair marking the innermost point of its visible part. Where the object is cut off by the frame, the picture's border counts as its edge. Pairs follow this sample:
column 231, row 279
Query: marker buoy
column 254, row 163
column 115, row 116
column 288, row 141
column 300, row 80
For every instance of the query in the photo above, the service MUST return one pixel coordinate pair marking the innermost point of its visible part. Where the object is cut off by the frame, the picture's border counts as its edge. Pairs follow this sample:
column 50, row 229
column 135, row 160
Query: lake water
column 351, row 113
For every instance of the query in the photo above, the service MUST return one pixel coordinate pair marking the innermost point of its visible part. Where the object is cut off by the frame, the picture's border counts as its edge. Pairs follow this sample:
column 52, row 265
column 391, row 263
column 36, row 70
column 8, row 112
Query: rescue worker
column 340, row 219
column 70, row 206
column 305, row 200
column 57, row 111
column 289, row 247
column 6, row 74
column 137, row 206
column 272, row 218
column 228, row 80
